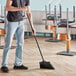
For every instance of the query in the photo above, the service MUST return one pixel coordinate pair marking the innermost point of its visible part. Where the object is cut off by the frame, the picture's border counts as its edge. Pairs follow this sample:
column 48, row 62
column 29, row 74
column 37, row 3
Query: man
column 15, row 26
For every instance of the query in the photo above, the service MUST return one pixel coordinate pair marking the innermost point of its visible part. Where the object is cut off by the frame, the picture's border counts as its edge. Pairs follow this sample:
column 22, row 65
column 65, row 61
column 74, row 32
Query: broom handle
column 35, row 38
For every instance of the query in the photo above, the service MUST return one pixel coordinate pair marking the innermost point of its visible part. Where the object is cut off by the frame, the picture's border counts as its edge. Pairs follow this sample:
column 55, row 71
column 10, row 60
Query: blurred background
column 38, row 12
column 40, row 4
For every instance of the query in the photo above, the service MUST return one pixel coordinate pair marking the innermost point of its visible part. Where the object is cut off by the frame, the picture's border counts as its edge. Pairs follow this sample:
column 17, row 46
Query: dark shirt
column 14, row 16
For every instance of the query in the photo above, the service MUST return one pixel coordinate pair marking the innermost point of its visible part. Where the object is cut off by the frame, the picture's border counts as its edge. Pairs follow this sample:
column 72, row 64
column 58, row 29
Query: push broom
column 43, row 64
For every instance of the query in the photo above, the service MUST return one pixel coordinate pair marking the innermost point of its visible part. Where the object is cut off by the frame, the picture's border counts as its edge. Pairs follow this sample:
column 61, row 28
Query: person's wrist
column 33, row 27
column 19, row 8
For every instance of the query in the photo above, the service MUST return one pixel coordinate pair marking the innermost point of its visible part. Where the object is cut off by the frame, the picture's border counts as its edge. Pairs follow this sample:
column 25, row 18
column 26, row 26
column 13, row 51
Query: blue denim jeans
column 12, row 28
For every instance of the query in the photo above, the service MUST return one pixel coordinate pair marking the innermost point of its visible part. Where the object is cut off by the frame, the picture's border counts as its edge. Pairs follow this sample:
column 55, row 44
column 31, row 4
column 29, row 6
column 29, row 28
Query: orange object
column 54, row 33
column 63, row 37
column 2, row 32
column 52, row 28
column 68, row 44
column 47, row 27
column 68, row 41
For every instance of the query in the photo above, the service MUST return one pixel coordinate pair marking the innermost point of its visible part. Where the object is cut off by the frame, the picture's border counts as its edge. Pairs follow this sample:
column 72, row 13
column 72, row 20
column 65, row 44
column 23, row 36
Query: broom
column 43, row 64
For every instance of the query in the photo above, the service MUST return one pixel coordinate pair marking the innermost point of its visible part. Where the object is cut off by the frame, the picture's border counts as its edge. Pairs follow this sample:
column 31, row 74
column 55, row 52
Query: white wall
column 40, row 25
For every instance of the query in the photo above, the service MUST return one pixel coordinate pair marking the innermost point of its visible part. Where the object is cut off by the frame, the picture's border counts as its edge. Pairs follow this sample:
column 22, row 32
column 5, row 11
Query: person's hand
column 33, row 31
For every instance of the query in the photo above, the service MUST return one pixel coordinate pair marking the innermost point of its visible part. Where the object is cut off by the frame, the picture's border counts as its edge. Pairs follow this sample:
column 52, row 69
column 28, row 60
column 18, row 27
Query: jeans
column 12, row 28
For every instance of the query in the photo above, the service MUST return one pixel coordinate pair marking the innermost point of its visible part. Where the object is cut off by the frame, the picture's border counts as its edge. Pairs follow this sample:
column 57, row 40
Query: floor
column 64, row 65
